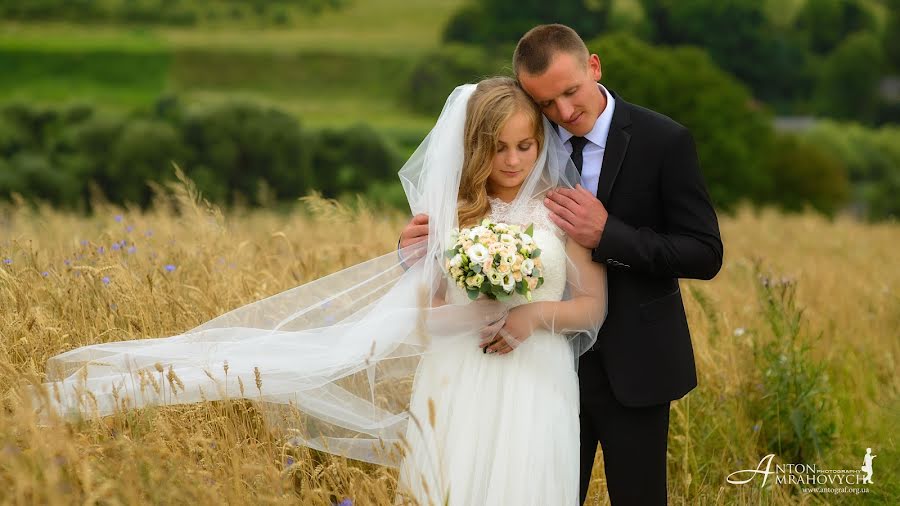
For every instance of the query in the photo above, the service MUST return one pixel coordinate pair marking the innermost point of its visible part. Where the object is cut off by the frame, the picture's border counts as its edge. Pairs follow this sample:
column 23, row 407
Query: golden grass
column 59, row 293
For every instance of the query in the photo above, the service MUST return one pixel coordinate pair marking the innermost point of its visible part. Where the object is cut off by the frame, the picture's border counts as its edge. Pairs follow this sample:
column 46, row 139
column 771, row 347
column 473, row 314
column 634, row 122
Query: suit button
column 609, row 261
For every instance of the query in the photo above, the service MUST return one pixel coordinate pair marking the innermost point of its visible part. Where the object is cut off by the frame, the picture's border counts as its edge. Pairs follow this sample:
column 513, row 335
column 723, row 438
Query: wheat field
column 822, row 294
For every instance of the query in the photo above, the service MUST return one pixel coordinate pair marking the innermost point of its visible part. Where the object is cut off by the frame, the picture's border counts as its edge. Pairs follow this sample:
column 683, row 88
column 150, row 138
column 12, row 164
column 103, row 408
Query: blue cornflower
column 131, row 249
column 289, row 461
column 118, row 218
column 84, row 242
column 67, row 262
column 129, row 228
column 101, row 250
column 105, row 280
column 116, row 247
column 170, row 267
column 345, row 502
column 7, row 261
column 45, row 274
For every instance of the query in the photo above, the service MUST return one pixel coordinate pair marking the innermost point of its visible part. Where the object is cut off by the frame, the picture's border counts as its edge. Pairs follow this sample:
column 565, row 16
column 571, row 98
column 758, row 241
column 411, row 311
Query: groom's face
column 567, row 91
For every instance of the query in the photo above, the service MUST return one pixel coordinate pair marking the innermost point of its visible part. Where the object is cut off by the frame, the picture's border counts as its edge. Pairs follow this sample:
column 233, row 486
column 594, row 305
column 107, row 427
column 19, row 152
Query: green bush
column 437, row 73
column 231, row 150
column 804, row 175
column 793, row 405
column 872, row 158
column 733, row 133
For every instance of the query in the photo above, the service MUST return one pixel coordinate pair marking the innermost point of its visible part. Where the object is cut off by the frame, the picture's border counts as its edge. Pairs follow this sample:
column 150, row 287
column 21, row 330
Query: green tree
column 826, row 23
column 494, row 22
column 848, row 86
column 891, row 41
column 740, row 38
column 731, row 130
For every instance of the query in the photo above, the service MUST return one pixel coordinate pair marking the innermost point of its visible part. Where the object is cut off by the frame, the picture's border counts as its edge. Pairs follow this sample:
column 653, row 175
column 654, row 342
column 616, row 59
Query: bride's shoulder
column 540, row 216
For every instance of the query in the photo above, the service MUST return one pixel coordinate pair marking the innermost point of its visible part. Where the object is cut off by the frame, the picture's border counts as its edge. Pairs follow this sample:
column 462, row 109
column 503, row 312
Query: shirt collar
column 599, row 133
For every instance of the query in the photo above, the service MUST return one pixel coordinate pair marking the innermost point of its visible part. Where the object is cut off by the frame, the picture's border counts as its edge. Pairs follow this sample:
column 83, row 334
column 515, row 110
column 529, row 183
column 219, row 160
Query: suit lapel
column 616, row 146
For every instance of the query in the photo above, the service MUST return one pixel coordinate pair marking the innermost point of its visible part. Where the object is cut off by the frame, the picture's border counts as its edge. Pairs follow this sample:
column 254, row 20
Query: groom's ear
column 594, row 67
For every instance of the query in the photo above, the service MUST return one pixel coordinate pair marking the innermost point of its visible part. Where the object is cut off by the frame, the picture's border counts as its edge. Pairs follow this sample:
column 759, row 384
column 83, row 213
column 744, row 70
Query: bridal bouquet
column 495, row 259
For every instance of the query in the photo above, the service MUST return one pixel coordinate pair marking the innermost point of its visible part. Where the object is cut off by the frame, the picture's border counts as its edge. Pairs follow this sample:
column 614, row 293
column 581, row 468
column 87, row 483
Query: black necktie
column 577, row 148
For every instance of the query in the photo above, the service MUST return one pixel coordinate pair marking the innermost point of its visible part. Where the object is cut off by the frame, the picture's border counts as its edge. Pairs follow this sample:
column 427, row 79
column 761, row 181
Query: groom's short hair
column 536, row 48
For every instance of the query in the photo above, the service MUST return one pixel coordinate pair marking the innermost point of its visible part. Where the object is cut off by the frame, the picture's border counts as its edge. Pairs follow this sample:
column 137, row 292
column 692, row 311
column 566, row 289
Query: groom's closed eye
column 568, row 93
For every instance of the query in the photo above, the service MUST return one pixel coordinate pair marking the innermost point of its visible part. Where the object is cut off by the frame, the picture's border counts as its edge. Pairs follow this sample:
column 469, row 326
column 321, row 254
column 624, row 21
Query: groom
column 643, row 209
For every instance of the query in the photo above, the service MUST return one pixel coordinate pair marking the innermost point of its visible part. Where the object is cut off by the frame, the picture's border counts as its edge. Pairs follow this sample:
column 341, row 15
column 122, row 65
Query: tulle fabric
column 331, row 362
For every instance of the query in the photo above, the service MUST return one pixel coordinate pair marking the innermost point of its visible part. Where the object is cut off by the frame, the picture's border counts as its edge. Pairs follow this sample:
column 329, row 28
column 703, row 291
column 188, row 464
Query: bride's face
column 516, row 152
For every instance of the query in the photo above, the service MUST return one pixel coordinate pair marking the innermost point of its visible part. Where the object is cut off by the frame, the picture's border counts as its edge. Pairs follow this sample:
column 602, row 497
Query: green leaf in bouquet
column 536, row 253
column 539, row 283
column 450, row 253
column 521, row 288
column 530, row 230
column 476, row 268
column 473, row 294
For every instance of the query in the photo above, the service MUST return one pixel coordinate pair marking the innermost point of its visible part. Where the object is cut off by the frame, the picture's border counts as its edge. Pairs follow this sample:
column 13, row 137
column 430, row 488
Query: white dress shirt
column 592, row 154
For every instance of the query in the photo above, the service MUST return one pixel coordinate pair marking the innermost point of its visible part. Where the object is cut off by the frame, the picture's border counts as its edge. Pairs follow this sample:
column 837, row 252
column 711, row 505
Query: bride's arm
column 586, row 310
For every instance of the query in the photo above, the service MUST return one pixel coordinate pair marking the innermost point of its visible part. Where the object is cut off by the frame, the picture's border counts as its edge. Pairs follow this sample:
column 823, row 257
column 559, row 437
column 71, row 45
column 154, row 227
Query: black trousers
column 633, row 440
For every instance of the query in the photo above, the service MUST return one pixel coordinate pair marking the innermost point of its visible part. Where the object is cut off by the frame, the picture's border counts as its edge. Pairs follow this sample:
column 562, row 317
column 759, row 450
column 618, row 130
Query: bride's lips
column 510, row 173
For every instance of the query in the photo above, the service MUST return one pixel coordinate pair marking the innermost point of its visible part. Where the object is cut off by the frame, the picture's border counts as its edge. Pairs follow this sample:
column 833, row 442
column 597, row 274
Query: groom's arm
column 690, row 246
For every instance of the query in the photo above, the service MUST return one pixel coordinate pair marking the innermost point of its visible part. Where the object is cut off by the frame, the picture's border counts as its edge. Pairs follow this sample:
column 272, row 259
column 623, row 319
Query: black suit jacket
column 661, row 227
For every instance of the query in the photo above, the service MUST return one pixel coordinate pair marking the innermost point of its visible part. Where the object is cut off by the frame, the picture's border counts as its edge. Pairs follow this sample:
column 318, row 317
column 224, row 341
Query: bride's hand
column 519, row 325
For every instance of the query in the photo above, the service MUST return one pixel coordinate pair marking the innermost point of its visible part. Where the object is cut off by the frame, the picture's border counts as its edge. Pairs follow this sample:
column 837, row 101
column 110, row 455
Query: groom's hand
column 578, row 213
column 415, row 231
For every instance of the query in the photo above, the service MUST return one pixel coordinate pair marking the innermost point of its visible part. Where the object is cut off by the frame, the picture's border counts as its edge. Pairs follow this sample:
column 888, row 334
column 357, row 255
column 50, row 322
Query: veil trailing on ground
column 331, row 362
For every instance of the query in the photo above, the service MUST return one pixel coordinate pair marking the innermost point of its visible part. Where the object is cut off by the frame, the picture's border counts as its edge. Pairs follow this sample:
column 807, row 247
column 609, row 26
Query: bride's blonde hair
column 491, row 105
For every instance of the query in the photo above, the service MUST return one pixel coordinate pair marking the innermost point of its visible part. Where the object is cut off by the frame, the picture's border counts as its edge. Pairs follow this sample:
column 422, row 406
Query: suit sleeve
column 689, row 246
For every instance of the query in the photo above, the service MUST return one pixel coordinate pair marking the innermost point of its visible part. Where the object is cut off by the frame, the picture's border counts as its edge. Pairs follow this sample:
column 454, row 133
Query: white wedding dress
column 505, row 426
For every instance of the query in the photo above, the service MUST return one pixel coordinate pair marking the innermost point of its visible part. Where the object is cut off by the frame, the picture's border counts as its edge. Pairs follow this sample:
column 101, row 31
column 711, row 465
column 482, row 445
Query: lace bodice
column 549, row 238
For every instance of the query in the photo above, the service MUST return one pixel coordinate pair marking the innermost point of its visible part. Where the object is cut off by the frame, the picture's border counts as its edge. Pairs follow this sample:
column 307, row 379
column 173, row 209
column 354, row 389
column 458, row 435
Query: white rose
column 479, row 232
column 474, row 281
column 508, row 282
column 527, row 266
column 495, row 278
column 507, row 239
column 477, row 253
column 456, row 261
column 501, row 227
column 526, row 240
column 496, row 248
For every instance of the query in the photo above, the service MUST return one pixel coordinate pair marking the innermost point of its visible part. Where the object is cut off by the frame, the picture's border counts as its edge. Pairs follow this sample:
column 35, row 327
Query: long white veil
column 332, row 361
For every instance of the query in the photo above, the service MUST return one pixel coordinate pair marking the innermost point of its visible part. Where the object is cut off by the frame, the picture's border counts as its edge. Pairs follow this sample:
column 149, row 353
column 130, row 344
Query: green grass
column 392, row 27
column 335, row 69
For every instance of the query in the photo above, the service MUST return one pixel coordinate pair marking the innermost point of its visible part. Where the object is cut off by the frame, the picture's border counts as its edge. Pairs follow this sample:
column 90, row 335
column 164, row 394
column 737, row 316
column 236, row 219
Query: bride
column 389, row 361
